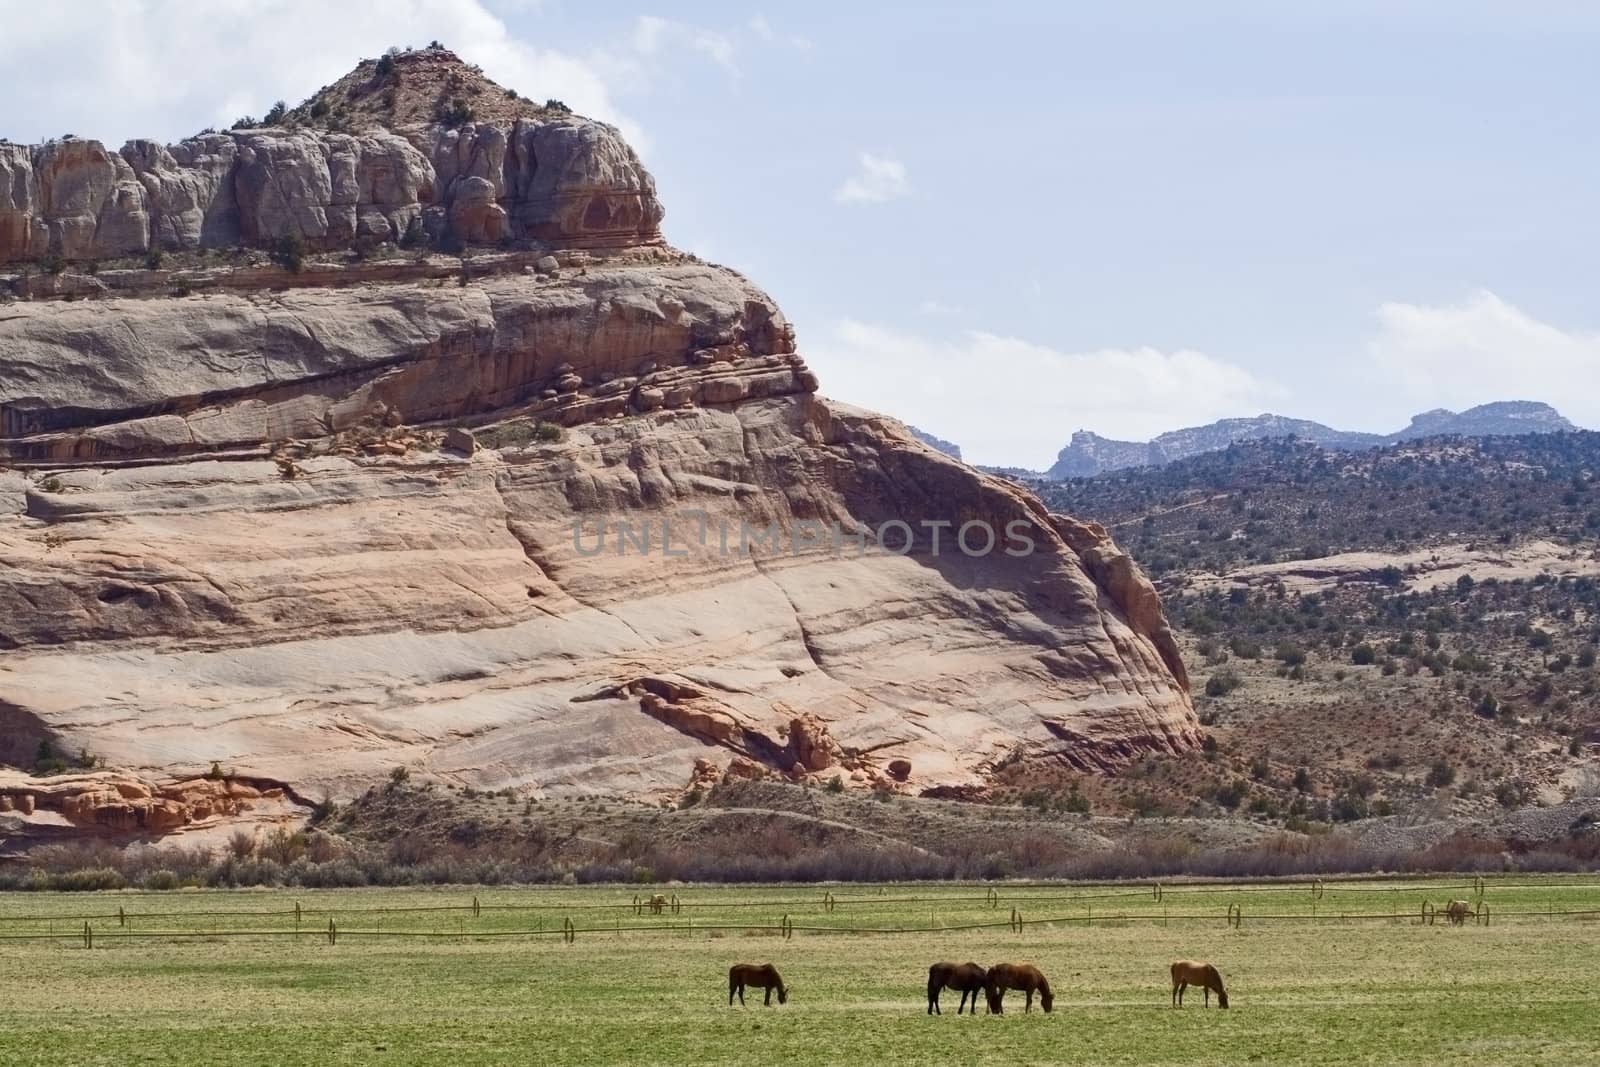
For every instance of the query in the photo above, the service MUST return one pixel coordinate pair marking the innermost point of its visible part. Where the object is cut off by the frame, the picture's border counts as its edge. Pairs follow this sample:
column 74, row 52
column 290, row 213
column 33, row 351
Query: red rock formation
column 244, row 490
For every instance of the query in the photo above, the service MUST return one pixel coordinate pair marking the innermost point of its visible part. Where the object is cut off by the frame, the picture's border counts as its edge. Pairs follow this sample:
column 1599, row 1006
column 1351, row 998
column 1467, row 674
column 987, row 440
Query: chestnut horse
column 968, row 978
column 759, row 976
column 1186, row 973
column 1457, row 911
column 1024, row 976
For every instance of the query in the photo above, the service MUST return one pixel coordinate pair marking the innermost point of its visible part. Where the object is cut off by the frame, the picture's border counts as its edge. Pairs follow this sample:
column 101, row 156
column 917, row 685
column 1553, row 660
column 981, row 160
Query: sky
column 1005, row 222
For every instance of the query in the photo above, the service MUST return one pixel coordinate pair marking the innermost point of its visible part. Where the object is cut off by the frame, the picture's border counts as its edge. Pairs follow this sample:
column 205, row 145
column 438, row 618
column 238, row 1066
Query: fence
column 674, row 915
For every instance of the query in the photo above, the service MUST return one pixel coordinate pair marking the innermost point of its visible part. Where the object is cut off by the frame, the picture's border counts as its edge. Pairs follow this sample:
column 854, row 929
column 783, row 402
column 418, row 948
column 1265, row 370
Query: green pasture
column 1316, row 975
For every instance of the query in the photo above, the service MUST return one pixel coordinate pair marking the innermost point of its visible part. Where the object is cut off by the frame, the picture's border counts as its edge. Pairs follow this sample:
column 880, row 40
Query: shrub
column 275, row 115
column 1441, row 773
column 161, row 881
column 1586, row 657
column 1232, row 795
column 88, row 880
column 553, row 104
column 153, row 258
column 1076, row 802
column 1302, row 780
column 289, row 252
column 386, row 64
column 415, row 236
column 1222, row 683
column 548, row 432
column 1290, row 654
column 457, row 113
column 836, row 784
column 1363, row 655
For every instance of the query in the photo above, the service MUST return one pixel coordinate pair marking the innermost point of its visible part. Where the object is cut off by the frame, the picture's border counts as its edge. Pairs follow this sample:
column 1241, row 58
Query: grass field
column 502, row 986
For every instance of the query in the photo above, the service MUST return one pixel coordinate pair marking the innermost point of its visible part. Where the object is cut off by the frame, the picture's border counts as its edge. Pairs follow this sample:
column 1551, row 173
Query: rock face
column 559, row 180
column 100, row 803
column 570, row 527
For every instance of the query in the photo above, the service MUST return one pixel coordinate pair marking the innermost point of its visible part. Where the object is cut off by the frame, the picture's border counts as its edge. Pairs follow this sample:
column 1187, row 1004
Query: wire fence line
column 786, row 928
column 992, row 898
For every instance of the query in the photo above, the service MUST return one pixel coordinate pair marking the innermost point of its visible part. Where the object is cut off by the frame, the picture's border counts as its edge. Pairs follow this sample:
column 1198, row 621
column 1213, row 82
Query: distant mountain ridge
column 939, row 444
column 1088, row 453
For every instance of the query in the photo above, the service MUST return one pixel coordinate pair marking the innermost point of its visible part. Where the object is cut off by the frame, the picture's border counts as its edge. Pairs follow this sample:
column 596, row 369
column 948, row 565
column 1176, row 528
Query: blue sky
column 1009, row 221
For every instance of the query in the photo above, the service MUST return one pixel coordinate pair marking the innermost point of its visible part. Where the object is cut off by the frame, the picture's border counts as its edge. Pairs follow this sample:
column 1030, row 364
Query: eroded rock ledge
column 565, row 181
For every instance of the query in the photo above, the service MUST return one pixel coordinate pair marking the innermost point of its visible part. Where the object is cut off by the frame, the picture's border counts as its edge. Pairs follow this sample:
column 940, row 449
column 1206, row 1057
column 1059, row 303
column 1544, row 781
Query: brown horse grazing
column 1186, row 973
column 758, row 975
column 1457, row 911
column 1023, row 976
column 968, row 978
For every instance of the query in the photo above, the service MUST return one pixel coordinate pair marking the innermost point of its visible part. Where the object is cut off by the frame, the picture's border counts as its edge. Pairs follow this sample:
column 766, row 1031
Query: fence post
column 1158, row 892
column 569, row 932
column 993, row 897
column 333, row 931
column 636, row 910
column 88, row 936
column 475, row 908
column 297, row 915
column 677, row 905
column 122, row 916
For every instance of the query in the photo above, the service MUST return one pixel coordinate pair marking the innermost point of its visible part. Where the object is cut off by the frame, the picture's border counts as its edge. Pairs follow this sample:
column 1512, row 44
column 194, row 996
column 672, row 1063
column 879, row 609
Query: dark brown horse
column 1186, row 973
column 1024, row 976
column 968, row 978
column 759, row 976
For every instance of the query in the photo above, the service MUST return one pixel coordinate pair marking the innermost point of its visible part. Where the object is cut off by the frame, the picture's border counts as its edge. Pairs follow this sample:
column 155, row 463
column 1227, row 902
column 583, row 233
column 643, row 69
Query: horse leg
column 741, row 994
column 933, row 1001
column 1181, row 987
column 965, row 993
column 1027, row 1004
column 731, row 984
column 766, row 1001
column 1206, row 993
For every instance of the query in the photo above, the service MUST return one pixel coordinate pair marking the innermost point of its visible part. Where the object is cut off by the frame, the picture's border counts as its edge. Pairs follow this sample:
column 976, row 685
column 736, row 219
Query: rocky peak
column 415, row 149
column 416, row 87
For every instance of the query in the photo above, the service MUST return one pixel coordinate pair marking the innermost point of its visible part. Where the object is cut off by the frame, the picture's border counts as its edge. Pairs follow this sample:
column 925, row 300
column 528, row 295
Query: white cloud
column 881, row 178
column 1483, row 349
column 166, row 68
column 938, row 307
column 765, row 31
column 1010, row 402
column 653, row 36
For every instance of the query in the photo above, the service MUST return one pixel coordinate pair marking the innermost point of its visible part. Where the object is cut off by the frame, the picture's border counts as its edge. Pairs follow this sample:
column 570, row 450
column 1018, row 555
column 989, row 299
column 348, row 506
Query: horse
column 1457, row 911
column 1022, row 976
column 658, row 904
column 1186, row 973
column 966, row 977
column 760, row 976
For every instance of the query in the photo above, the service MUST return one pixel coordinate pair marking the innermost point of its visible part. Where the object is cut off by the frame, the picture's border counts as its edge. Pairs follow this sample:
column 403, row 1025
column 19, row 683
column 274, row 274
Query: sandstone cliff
column 544, row 176
column 314, row 525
